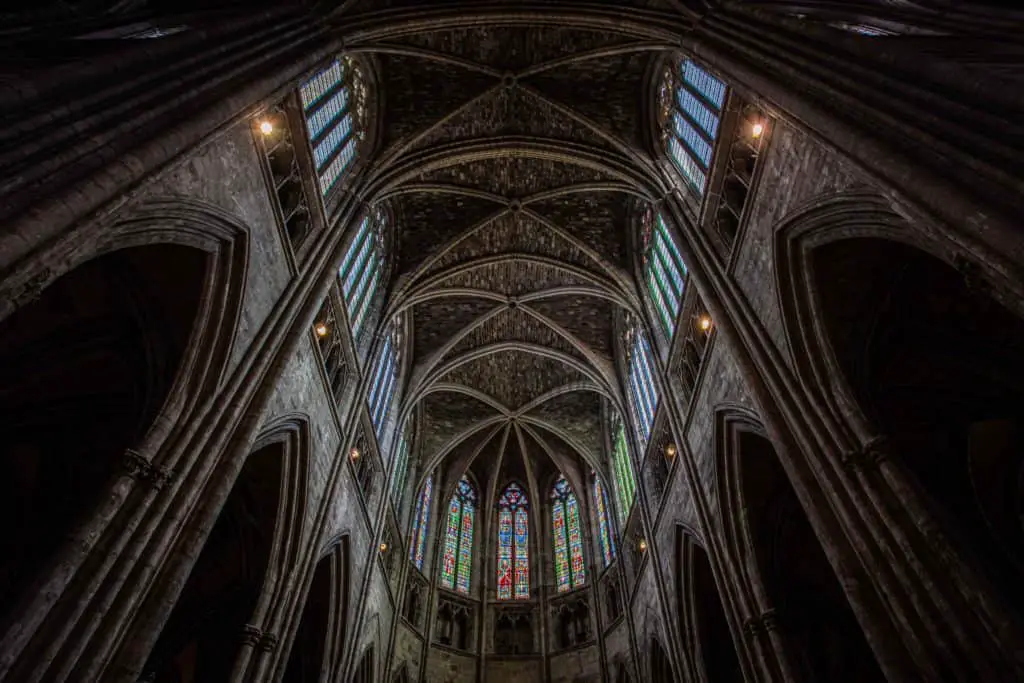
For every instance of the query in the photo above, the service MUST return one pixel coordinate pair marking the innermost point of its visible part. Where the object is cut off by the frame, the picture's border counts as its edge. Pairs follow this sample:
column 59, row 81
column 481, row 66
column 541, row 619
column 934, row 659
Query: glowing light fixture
column 704, row 323
column 354, row 454
column 756, row 130
column 266, row 127
column 320, row 329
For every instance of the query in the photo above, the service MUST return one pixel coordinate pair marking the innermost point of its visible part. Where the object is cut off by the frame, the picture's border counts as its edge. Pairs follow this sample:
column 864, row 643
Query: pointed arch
column 567, row 537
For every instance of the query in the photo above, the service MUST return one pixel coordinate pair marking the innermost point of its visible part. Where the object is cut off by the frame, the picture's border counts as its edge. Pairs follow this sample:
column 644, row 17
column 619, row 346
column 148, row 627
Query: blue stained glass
column 704, row 83
column 321, row 84
column 687, row 165
column 565, row 530
column 317, row 122
column 697, row 111
column 339, row 164
column 688, row 134
column 335, row 137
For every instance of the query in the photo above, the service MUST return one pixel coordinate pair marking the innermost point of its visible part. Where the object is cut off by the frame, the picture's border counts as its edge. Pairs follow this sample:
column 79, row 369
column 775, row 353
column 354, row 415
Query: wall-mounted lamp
column 266, row 127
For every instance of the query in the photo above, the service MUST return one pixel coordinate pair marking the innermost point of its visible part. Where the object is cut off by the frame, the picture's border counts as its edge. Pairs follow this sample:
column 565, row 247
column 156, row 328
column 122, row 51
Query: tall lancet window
column 664, row 270
column 385, row 379
column 420, row 523
column 333, row 104
column 457, row 563
column 691, row 109
column 513, row 542
column 625, row 484
column 642, row 390
column 360, row 272
column 401, row 471
column 601, row 521
column 567, row 538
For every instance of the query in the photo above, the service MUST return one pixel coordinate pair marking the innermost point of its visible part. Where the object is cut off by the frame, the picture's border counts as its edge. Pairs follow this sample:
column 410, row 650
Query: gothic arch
column 142, row 323
column 787, row 581
column 230, row 604
column 318, row 642
column 928, row 375
column 704, row 623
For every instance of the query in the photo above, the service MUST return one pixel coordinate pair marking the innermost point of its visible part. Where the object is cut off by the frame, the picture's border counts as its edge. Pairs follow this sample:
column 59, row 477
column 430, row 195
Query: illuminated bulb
column 354, row 454
column 321, row 330
column 383, row 547
column 756, row 131
column 704, row 323
column 266, row 127
column 642, row 545
column 670, row 450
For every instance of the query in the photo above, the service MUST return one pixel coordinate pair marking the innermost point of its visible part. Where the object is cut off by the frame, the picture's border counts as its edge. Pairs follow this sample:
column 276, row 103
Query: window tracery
column 513, row 540
column 691, row 104
column 457, row 562
column 625, row 484
column 570, row 572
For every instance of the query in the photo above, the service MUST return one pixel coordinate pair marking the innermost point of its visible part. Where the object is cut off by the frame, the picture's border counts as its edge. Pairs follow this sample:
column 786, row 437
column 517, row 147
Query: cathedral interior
column 598, row 341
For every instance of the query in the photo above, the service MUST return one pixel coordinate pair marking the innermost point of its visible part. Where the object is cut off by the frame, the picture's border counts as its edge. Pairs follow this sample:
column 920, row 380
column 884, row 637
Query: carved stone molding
column 251, row 635
column 141, row 469
column 268, row 643
column 762, row 623
column 32, row 288
column 869, row 456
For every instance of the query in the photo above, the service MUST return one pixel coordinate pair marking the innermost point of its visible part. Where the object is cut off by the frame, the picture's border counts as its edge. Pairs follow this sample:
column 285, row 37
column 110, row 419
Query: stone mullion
column 917, row 600
column 952, row 169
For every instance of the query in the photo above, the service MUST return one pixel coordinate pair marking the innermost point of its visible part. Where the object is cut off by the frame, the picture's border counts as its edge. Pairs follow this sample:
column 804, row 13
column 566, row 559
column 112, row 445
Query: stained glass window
column 603, row 524
column 513, row 541
column 642, row 390
column 331, row 106
column 457, row 562
column 625, row 484
column 692, row 103
column 420, row 523
column 664, row 270
column 385, row 379
column 360, row 271
column 568, row 540
column 401, row 471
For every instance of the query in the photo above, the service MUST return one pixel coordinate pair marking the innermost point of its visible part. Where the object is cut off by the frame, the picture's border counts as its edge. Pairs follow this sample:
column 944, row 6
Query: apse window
column 570, row 572
column 332, row 108
column 513, row 544
column 691, row 110
column 457, row 561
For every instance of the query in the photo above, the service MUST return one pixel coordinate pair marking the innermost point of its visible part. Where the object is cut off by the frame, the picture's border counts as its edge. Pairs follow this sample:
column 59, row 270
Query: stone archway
column 704, row 624
column 84, row 371
column 934, row 364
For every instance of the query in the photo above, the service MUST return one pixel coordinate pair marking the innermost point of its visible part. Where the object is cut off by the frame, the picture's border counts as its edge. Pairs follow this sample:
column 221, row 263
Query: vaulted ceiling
column 514, row 158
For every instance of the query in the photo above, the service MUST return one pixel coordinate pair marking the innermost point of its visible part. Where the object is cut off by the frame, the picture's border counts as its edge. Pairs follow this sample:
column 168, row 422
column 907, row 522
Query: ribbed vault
column 512, row 156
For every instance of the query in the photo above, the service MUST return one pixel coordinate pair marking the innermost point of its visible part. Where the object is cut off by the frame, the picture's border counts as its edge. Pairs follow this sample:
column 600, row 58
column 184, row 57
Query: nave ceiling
column 514, row 160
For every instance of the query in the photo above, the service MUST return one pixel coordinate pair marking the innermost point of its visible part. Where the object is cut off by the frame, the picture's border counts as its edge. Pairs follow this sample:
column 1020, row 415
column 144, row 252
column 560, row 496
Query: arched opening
column 825, row 640
column 201, row 639
column 84, row 371
column 661, row 667
column 306, row 661
column 704, row 622
column 938, row 367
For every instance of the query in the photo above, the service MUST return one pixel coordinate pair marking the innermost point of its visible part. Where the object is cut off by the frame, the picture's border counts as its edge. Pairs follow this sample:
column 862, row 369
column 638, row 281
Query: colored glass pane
column 568, row 540
column 625, row 485
column 420, row 522
column 698, row 102
column 513, row 580
column 457, row 563
column 603, row 523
